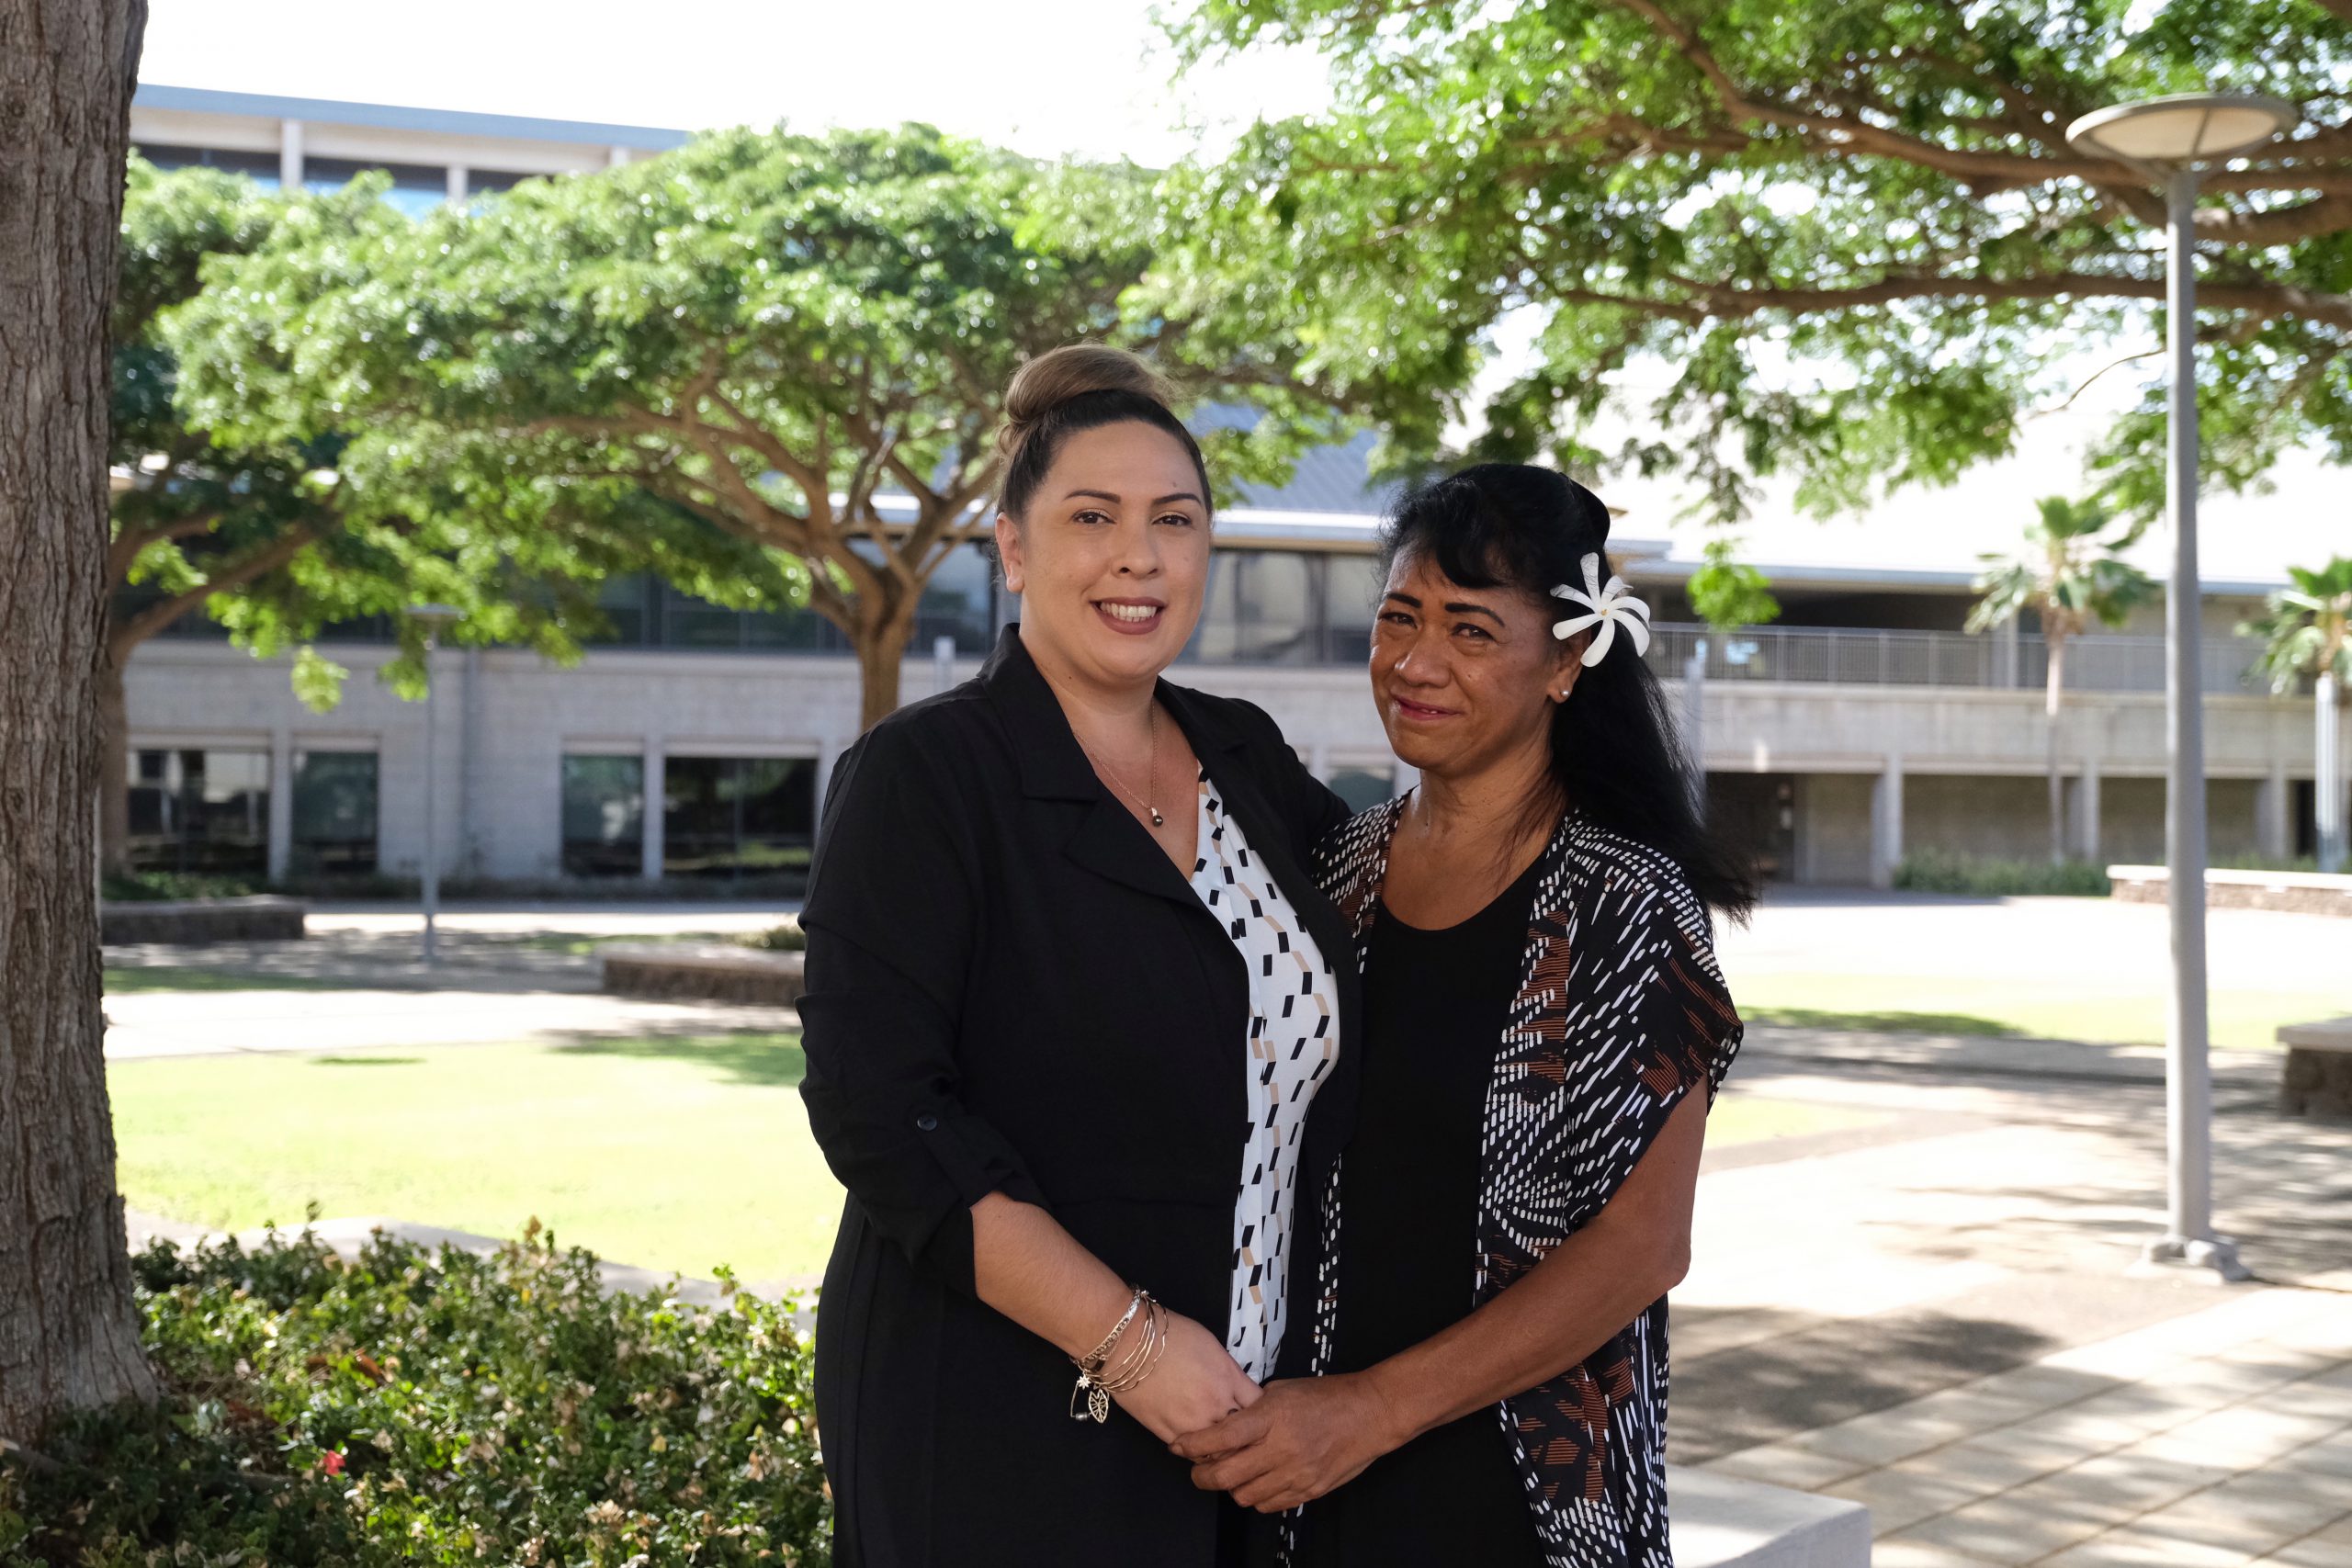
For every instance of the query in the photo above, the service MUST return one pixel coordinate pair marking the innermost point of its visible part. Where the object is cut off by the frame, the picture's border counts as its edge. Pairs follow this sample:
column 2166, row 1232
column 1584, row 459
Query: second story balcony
column 1841, row 656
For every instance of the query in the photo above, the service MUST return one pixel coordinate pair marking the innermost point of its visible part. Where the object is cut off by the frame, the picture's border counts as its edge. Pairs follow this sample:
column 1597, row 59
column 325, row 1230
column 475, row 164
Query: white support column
column 289, row 154
column 281, row 803
column 2086, row 808
column 655, row 789
column 2273, row 824
column 1887, row 822
column 615, row 156
column 2006, row 651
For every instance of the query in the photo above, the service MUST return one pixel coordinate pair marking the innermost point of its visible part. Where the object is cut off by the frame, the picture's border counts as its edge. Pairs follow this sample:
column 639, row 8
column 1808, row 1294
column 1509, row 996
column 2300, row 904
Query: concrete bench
column 197, row 921
column 2292, row 892
column 705, row 972
column 2318, row 1080
column 1721, row 1522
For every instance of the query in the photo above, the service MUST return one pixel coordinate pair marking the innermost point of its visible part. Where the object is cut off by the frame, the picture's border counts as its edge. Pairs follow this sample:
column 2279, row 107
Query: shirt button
column 927, row 1122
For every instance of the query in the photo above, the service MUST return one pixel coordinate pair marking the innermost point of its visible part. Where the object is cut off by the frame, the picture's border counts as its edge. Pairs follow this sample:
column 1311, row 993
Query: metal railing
column 1860, row 656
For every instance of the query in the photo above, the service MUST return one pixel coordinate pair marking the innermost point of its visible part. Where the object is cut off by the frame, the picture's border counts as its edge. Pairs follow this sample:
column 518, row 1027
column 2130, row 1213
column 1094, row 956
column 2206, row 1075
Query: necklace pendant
column 1157, row 820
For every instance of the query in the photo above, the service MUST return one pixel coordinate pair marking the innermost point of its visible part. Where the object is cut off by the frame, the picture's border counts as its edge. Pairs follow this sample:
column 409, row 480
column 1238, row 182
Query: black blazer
column 1010, row 987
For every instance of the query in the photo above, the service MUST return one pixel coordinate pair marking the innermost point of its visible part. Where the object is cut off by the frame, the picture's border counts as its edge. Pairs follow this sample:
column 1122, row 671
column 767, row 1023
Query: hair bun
column 1055, row 378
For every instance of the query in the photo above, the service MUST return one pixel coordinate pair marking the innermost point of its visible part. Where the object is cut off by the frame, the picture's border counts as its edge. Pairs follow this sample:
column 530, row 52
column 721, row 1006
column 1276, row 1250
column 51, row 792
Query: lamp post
column 432, row 618
column 2165, row 140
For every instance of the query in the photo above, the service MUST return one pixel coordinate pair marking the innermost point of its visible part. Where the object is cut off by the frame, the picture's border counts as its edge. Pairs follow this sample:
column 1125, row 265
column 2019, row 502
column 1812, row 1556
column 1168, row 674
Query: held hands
column 1305, row 1437
column 1196, row 1385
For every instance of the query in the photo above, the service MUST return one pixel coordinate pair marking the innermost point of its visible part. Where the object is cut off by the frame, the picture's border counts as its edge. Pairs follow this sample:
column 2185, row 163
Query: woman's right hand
column 1196, row 1383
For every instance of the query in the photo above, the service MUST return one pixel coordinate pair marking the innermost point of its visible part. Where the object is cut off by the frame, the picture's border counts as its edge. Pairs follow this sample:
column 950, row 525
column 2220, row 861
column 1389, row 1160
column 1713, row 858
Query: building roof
column 401, row 117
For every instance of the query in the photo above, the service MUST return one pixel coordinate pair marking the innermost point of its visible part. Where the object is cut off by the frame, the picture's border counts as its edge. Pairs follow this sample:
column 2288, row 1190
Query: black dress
column 1434, row 1003
column 1011, row 988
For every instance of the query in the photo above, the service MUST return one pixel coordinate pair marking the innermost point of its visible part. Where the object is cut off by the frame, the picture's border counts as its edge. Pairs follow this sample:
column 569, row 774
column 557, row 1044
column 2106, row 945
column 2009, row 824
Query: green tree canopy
column 2306, row 628
column 766, row 333
column 1852, row 231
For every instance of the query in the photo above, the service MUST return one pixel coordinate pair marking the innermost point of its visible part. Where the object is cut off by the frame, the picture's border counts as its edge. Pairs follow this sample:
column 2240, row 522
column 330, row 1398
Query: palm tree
column 2308, row 628
column 2070, row 573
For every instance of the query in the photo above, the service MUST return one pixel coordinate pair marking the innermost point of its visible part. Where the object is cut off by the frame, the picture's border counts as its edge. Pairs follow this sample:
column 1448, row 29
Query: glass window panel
column 623, row 597
column 958, row 602
column 1350, row 599
column 417, row 188
column 260, row 167
column 1277, row 603
column 604, row 816
column 489, row 182
column 334, row 812
column 200, row 810
column 735, row 818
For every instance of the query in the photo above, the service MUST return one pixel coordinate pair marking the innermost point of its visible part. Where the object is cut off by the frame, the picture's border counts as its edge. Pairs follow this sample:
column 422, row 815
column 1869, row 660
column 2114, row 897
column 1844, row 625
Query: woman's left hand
column 1306, row 1436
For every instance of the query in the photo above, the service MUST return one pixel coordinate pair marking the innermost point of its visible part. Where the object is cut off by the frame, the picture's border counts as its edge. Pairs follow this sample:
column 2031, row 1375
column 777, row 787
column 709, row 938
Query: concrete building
column 1863, row 725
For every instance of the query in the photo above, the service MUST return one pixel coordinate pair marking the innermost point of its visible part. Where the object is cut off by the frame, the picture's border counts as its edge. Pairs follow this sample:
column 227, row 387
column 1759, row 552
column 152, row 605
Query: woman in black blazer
column 1071, row 996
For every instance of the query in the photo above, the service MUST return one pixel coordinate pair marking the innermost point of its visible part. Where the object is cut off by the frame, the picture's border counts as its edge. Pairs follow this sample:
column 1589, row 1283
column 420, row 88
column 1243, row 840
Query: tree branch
column 1730, row 301
column 123, row 639
column 125, row 547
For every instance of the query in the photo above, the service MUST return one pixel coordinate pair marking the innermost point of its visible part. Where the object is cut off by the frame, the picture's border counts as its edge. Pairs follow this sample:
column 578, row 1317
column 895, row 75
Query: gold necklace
column 1151, row 722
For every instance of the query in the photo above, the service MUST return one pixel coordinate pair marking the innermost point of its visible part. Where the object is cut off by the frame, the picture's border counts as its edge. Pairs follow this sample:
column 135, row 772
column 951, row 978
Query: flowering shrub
column 420, row 1407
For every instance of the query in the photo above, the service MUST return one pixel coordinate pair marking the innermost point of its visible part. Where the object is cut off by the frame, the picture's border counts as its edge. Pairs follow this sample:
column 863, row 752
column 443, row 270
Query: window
column 490, row 182
column 732, row 817
column 334, row 813
column 604, row 816
column 1263, row 607
column 200, row 810
column 417, row 188
column 959, row 601
column 1362, row 788
column 262, row 168
column 1350, row 599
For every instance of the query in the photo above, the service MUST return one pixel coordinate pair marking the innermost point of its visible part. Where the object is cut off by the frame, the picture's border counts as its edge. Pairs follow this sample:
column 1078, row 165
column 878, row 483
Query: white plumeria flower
column 1608, row 608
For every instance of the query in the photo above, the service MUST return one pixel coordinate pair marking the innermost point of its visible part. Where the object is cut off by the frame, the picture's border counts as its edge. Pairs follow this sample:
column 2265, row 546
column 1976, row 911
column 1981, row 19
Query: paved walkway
column 1942, row 1316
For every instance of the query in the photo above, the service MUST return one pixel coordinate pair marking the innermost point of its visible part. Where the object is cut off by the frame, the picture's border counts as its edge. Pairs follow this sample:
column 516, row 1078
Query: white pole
column 2188, row 1083
column 432, row 788
column 942, row 663
column 1694, row 723
column 2327, row 799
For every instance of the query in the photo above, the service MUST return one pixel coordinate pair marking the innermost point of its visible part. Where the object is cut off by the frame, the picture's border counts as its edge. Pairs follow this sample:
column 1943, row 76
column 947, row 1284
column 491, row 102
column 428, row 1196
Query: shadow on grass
column 1885, row 1023
column 167, row 977
column 772, row 1057
column 363, row 1061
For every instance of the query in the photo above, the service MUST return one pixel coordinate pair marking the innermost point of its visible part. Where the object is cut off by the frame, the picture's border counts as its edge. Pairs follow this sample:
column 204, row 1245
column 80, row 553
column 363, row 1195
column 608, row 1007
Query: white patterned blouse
column 1292, row 1043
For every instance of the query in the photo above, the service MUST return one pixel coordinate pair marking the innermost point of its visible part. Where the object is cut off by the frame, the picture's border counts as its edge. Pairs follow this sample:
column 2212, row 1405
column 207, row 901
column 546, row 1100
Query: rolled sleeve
column 891, row 921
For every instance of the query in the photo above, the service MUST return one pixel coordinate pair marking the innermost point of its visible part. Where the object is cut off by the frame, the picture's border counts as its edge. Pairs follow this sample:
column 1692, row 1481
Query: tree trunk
column 69, row 1333
column 2053, row 698
column 881, row 644
column 114, row 770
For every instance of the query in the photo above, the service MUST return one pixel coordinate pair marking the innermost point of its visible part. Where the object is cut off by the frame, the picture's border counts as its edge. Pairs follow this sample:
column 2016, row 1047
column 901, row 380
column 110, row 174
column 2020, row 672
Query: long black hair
column 1616, row 755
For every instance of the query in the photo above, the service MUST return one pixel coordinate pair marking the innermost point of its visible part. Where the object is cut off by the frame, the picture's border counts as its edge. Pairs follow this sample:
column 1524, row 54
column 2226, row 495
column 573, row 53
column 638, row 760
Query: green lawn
column 2077, row 1009
column 667, row 1152
column 122, row 980
column 677, row 1154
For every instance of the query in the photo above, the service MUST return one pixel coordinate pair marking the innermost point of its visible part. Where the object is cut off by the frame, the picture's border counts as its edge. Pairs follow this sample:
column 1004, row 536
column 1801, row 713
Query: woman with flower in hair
column 1487, row 1378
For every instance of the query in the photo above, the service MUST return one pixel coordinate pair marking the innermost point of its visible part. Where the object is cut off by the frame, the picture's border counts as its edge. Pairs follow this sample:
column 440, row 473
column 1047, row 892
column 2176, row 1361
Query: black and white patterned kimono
column 1619, row 1011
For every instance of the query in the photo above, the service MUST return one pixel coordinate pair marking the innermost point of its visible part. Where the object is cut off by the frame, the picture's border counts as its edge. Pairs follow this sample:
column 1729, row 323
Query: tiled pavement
column 1942, row 1318
column 2222, row 1437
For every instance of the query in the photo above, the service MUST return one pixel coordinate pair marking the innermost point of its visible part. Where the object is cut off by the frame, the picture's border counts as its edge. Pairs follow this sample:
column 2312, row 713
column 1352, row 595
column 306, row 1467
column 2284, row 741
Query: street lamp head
column 2174, row 132
column 433, row 618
